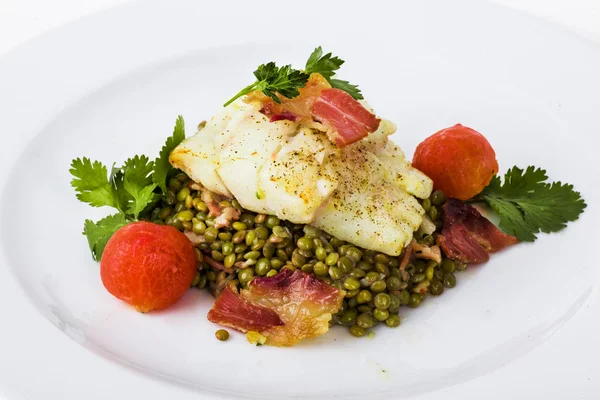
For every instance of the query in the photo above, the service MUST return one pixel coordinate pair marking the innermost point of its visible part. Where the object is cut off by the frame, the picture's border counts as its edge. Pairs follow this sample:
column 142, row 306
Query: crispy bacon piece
column 228, row 215
column 345, row 119
column 300, row 106
column 233, row 310
column 274, row 111
column 297, row 286
column 406, row 257
column 303, row 303
column 195, row 239
column 284, row 116
column 457, row 244
column 468, row 236
column 217, row 265
column 426, row 252
column 416, row 250
column 212, row 200
column 213, row 208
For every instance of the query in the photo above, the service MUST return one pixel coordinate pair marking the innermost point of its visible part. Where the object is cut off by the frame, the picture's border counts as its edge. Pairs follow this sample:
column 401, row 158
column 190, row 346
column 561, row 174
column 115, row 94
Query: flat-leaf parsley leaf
column 286, row 81
column 100, row 232
column 91, row 183
column 131, row 189
column 137, row 182
column 527, row 204
column 326, row 65
column 161, row 164
column 271, row 80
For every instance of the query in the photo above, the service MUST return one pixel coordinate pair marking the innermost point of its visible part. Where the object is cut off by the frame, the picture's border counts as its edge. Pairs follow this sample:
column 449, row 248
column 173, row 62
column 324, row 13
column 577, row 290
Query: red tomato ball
column 459, row 160
column 147, row 265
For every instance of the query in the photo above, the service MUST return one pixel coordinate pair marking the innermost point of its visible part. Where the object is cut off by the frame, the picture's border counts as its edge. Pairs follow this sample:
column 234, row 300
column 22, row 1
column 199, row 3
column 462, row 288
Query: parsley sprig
column 527, row 204
column 326, row 65
column 162, row 167
column 274, row 81
column 132, row 189
column 271, row 79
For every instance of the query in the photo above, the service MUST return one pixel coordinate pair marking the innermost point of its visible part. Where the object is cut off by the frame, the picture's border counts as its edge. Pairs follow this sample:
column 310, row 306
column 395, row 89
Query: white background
column 21, row 20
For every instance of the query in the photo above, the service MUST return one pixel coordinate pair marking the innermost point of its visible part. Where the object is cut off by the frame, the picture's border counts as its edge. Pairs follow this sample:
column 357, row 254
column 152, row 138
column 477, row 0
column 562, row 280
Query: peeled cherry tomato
column 459, row 160
column 147, row 265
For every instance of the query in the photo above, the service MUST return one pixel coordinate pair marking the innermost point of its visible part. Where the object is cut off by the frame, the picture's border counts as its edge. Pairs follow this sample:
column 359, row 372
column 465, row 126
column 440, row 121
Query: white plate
column 110, row 86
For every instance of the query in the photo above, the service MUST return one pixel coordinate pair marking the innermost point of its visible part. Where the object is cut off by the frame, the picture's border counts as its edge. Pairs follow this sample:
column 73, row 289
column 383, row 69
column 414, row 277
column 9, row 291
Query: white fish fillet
column 363, row 193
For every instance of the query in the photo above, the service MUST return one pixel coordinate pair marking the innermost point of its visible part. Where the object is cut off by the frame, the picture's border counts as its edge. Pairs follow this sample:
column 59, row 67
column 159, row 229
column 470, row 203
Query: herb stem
column 243, row 92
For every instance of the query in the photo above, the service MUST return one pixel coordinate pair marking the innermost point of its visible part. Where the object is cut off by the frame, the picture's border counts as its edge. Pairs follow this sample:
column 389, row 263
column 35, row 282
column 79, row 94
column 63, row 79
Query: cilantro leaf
column 122, row 198
column 527, row 204
column 161, row 164
column 313, row 59
column 511, row 219
column 284, row 80
column 273, row 80
column 517, row 182
column 100, row 232
column 326, row 65
column 346, row 86
column 143, row 199
column 130, row 189
column 138, row 170
column 91, row 183
column 137, row 182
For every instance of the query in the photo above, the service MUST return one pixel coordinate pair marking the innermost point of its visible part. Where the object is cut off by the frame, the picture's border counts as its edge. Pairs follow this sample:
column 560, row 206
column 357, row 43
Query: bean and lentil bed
column 376, row 288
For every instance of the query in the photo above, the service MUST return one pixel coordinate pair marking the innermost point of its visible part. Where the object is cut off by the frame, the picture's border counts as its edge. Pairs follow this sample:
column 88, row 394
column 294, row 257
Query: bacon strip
column 227, row 215
column 426, row 252
column 345, row 119
column 348, row 121
column 284, row 116
column 299, row 106
column 303, row 304
column 469, row 237
column 213, row 208
column 231, row 309
column 211, row 199
column 276, row 112
column 406, row 257
column 295, row 284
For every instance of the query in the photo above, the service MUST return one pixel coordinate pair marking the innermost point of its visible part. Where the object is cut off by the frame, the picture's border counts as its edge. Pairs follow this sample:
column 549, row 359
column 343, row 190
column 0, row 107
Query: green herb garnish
column 131, row 189
column 138, row 186
column 98, row 233
column 285, row 81
column 326, row 65
column 161, row 164
column 346, row 86
column 92, row 184
column 527, row 204
column 271, row 79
